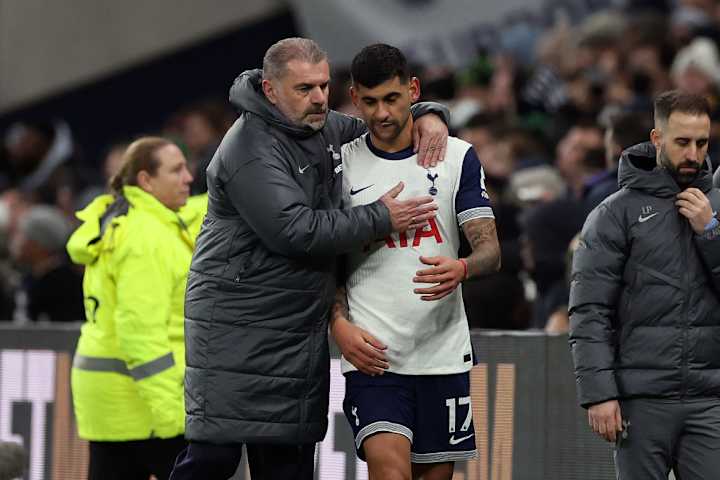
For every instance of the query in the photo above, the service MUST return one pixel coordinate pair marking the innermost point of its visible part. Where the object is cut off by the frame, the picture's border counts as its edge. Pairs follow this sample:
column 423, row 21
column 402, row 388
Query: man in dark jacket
column 262, row 283
column 623, row 130
column 644, row 305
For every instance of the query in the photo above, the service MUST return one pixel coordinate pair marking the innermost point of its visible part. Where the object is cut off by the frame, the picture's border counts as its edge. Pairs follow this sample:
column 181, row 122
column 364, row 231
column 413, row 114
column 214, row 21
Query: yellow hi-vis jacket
column 127, row 375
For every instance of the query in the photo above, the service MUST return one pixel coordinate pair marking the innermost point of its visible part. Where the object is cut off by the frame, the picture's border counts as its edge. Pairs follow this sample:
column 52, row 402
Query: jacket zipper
column 685, row 320
column 326, row 179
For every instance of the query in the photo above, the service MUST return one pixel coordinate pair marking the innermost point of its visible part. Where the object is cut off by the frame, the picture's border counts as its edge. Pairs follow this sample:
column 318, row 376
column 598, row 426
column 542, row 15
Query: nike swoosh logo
column 642, row 219
column 355, row 192
column 302, row 170
column 455, row 441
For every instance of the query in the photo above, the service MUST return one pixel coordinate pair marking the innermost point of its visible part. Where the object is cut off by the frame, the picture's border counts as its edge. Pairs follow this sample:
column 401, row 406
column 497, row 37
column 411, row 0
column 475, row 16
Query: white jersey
column 423, row 337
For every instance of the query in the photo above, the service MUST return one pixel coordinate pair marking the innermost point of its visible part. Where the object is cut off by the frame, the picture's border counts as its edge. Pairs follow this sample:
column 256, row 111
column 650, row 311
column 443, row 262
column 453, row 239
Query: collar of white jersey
column 400, row 155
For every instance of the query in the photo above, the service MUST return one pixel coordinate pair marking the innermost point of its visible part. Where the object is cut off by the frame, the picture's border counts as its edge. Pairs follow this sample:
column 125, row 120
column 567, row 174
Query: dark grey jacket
column 644, row 308
column 261, row 281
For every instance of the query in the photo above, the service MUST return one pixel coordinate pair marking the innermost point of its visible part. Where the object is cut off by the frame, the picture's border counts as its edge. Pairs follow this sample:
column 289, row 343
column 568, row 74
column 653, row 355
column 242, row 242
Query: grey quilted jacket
column 644, row 304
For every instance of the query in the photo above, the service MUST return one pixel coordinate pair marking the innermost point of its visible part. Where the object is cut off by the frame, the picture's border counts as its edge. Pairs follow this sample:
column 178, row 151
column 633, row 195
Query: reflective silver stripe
column 153, row 367
column 99, row 364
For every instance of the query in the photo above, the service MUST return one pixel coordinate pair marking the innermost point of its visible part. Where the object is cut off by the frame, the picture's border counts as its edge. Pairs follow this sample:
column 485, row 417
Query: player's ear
column 354, row 96
column 414, row 89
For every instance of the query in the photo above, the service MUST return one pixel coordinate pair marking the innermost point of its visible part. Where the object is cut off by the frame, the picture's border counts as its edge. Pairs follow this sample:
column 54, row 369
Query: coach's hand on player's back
column 605, row 419
column 360, row 348
column 408, row 214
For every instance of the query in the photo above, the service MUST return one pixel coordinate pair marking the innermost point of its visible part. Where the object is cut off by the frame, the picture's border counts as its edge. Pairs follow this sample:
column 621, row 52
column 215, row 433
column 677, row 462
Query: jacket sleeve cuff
column 595, row 388
column 709, row 246
column 383, row 223
column 423, row 108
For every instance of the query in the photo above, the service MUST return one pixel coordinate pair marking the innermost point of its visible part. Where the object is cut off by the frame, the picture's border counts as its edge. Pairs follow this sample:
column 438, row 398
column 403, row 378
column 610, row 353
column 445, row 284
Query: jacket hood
column 247, row 96
column 86, row 242
column 638, row 170
column 83, row 245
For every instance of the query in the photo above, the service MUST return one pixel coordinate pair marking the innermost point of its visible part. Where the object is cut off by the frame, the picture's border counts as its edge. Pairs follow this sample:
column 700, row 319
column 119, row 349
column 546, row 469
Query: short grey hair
column 281, row 53
column 46, row 226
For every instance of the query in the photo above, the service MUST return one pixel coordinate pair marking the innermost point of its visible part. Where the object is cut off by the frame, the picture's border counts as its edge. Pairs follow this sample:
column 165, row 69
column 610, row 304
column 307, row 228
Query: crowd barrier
column 527, row 422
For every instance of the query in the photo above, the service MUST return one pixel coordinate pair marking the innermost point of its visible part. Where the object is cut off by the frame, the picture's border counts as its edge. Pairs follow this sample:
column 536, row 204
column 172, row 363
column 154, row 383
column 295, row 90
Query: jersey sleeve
column 471, row 200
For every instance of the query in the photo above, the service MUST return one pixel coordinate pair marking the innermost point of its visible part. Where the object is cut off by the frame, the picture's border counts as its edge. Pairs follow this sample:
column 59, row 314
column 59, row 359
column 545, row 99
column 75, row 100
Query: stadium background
column 533, row 84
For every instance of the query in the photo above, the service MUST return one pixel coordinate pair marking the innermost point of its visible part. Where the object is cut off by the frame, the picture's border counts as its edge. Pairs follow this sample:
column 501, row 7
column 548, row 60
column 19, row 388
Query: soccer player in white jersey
column 400, row 323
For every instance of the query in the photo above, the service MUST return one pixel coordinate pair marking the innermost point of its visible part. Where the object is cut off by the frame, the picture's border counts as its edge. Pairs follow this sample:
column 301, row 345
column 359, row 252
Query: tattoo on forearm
column 482, row 236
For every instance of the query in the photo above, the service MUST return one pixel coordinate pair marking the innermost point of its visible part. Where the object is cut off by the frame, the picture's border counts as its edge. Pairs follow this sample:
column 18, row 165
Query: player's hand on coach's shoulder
column 605, row 419
column 408, row 214
column 360, row 348
column 447, row 273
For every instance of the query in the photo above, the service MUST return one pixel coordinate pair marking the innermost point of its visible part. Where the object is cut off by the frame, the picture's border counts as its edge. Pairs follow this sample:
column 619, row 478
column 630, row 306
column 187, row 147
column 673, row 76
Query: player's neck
column 397, row 144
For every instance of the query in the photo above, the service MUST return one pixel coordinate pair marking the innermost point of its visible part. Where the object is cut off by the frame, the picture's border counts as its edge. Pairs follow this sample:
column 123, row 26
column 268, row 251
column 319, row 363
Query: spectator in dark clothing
column 624, row 130
column 593, row 165
column 549, row 228
column 497, row 300
column 203, row 126
column 40, row 163
column 571, row 154
column 51, row 289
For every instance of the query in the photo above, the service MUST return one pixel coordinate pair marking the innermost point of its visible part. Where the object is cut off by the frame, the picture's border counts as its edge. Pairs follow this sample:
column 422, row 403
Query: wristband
column 712, row 224
column 464, row 264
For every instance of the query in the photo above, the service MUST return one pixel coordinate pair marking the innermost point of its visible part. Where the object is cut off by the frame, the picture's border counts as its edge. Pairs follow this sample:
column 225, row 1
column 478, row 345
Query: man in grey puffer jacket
column 644, row 304
column 261, row 282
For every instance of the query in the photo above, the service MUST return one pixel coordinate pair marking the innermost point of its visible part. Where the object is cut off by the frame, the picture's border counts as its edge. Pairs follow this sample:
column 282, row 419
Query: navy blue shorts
column 433, row 411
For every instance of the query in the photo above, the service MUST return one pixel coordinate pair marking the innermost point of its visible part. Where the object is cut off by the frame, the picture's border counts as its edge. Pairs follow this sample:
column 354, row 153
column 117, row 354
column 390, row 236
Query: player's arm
column 430, row 132
column 482, row 236
column 447, row 273
column 476, row 218
column 358, row 347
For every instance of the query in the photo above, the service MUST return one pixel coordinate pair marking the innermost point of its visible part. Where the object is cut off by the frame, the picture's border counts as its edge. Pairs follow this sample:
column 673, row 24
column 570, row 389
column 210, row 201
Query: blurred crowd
column 548, row 110
column 44, row 180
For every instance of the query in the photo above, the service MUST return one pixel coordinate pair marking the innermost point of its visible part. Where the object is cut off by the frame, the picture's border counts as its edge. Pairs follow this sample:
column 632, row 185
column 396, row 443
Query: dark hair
column 378, row 63
column 678, row 101
column 630, row 128
column 139, row 156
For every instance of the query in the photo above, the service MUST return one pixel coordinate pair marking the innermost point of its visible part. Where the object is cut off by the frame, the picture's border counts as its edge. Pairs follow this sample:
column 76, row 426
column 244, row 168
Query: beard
column 683, row 179
column 391, row 130
column 319, row 118
column 316, row 122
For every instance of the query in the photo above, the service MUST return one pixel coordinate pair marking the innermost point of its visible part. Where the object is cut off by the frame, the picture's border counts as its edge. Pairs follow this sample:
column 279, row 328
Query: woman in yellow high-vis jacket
column 127, row 376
